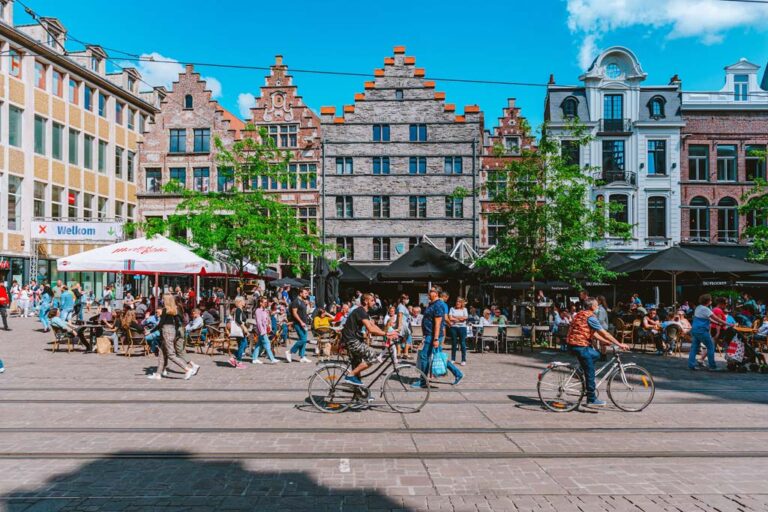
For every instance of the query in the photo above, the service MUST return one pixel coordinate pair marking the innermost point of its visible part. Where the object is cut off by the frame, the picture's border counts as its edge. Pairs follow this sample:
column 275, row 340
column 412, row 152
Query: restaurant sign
column 714, row 283
column 77, row 231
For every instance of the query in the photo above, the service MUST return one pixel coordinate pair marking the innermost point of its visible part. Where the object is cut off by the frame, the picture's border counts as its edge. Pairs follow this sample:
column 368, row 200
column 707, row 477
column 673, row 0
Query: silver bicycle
column 561, row 386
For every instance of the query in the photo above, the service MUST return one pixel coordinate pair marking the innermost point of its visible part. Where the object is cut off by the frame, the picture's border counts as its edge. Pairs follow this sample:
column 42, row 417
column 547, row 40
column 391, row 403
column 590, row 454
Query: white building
column 635, row 150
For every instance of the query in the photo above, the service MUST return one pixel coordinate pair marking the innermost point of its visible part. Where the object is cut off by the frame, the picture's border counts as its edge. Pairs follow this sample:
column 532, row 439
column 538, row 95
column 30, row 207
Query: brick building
column 501, row 146
column 396, row 165
column 179, row 145
column 723, row 131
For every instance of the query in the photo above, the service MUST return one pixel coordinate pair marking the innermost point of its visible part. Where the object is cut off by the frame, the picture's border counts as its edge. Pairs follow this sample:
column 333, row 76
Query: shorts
column 358, row 352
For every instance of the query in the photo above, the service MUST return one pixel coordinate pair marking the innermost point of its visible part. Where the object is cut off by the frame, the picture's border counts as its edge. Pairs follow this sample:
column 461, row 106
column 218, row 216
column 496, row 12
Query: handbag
column 439, row 364
column 235, row 331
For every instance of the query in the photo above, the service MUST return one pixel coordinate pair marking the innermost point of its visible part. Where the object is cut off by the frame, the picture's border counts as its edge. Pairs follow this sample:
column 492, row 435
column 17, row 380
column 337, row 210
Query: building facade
column 509, row 138
column 399, row 163
column 635, row 150
column 179, row 145
column 68, row 147
column 724, row 142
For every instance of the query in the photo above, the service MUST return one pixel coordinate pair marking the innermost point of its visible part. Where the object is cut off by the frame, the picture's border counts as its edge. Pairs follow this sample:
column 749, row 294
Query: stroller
column 740, row 356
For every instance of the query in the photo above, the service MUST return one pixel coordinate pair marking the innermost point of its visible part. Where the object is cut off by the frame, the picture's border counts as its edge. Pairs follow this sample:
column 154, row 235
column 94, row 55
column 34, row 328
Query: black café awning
column 424, row 262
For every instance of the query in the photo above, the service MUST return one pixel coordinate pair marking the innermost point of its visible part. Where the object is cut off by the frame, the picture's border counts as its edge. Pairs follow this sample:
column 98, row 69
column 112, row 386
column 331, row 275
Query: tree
column 240, row 220
column 754, row 205
column 542, row 203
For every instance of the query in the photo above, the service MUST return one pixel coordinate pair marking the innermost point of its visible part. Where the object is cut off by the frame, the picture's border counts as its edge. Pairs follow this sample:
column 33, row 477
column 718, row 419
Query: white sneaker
column 189, row 373
column 256, row 361
column 463, row 363
column 196, row 368
column 165, row 373
column 273, row 361
column 305, row 360
column 287, row 356
column 154, row 376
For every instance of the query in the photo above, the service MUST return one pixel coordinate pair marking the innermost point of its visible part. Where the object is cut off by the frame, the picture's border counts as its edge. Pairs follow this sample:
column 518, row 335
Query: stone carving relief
column 278, row 108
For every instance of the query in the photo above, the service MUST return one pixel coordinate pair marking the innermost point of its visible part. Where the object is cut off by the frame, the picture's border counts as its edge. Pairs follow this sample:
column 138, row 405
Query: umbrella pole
column 674, row 288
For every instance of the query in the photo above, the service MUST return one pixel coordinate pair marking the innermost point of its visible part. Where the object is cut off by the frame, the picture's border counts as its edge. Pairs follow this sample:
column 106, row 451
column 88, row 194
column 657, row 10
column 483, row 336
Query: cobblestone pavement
column 89, row 432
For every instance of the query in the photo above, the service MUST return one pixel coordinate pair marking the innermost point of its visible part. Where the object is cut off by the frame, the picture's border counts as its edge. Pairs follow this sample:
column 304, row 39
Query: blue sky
column 506, row 40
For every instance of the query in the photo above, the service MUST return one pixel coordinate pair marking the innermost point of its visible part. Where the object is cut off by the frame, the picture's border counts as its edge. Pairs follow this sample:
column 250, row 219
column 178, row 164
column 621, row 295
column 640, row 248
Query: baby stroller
column 740, row 356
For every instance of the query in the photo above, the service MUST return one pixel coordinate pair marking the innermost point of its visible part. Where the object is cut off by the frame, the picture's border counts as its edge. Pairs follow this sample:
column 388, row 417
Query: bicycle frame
column 613, row 365
column 379, row 370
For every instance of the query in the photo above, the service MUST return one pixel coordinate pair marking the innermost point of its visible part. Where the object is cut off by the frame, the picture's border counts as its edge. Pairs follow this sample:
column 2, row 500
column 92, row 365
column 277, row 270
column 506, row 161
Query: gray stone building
column 398, row 164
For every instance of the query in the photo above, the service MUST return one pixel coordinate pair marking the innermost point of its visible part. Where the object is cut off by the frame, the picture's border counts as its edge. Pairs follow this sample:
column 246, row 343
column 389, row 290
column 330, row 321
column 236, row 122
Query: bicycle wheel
column 560, row 388
column 631, row 388
column 327, row 391
column 401, row 389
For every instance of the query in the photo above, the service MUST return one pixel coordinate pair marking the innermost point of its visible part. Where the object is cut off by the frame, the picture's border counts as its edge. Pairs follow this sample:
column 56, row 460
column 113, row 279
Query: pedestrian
column 169, row 325
column 77, row 310
column 458, row 316
column 703, row 316
column 46, row 299
column 57, row 294
column 5, row 301
column 67, row 302
column 433, row 327
column 263, row 329
column 300, row 317
column 239, row 331
column 458, row 375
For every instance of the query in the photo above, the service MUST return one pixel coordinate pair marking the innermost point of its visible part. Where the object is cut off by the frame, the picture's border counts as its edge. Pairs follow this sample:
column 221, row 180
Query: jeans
column 587, row 357
column 64, row 314
column 427, row 351
column 699, row 336
column 43, row 315
column 263, row 342
column 242, row 344
column 461, row 334
column 4, row 316
column 301, row 344
column 153, row 340
column 285, row 333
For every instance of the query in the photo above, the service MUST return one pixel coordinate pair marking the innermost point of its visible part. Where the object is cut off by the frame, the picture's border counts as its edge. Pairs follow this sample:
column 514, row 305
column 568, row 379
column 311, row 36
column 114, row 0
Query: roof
column 682, row 259
column 424, row 263
column 235, row 123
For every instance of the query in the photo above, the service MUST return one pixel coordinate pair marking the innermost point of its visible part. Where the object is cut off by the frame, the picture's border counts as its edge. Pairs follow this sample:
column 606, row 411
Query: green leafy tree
column 240, row 220
column 542, row 203
column 754, row 205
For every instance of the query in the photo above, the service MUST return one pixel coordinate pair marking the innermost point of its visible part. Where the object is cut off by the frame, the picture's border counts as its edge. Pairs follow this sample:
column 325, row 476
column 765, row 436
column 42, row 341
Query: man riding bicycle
column 584, row 327
column 352, row 337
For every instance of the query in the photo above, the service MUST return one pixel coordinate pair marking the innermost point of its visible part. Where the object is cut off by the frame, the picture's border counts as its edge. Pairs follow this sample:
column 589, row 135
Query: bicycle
column 561, row 386
column 329, row 393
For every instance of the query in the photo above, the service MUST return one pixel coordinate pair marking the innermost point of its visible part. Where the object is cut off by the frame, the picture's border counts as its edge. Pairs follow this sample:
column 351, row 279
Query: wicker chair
column 61, row 336
column 132, row 339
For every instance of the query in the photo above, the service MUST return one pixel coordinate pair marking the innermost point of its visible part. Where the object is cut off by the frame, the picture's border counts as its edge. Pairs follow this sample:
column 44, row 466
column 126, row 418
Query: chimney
column 189, row 69
column 278, row 60
column 675, row 80
column 551, row 79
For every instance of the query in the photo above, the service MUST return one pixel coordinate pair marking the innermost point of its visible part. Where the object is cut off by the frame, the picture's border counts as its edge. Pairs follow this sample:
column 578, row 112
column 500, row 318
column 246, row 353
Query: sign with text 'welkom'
column 77, row 231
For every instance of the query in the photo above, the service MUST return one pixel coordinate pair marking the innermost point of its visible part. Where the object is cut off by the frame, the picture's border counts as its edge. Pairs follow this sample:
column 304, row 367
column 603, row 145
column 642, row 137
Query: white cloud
column 246, row 101
column 214, row 86
column 706, row 20
column 588, row 51
column 162, row 70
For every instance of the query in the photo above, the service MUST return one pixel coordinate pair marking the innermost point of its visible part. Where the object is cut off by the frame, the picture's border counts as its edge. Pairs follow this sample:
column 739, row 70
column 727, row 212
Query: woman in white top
column 703, row 318
column 404, row 327
column 458, row 319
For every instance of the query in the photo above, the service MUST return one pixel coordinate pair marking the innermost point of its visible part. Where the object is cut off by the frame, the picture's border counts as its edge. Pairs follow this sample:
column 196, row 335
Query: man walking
column 300, row 317
column 433, row 327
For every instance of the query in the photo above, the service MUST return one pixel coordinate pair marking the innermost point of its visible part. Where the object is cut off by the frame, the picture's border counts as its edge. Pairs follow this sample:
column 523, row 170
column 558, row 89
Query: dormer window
column 656, row 107
column 740, row 87
column 570, row 107
column 131, row 83
column 95, row 63
column 188, row 102
column 613, row 71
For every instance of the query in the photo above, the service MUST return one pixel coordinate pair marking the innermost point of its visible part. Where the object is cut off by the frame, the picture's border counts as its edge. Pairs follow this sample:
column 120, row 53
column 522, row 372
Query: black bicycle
column 402, row 386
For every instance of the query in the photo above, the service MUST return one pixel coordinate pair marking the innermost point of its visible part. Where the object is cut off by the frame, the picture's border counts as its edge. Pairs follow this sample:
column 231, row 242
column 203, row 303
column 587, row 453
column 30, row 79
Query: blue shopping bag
column 439, row 364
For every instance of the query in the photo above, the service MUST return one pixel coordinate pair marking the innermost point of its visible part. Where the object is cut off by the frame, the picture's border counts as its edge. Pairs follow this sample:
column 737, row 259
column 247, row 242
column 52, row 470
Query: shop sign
column 77, row 231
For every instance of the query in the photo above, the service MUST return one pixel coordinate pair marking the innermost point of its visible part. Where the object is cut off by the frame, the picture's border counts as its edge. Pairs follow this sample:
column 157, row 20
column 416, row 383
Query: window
column 141, row 123
column 89, row 92
column 119, row 210
column 512, row 145
column 131, row 83
column 740, row 87
column 153, row 180
column 179, row 175
column 381, row 133
column 657, row 217
column 622, row 210
column 417, row 207
column 613, row 155
column 88, row 152
column 613, row 106
column 39, row 206
column 188, row 102
column 178, row 142
column 613, row 71
column 74, row 92
column 453, row 165
column 454, row 207
column 727, row 221
column 103, row 208
column 225, row 179
column 202, row 138
column 284, row 135
column 698, row 162
column 699, row 220
column 57, row 141
column 381, row 207
column 451, row 242
column 307, row 215
column 570, row 151
column 755, row 161
column 381, row 165
column 102, row 160
column 344, row 165
column 14, row 126
column 87, row 206
column 15, row 58
column 413, row 241
column 14, row 203
column 94, row 63
column 307, row 175
column 570, row 107
column 131, row 213
column 656, row 107
column 399, row 94
column 345, row 247
column 102, row 105
column 57, row 202
column 118, row 162
column 131, row 116
column 495, row 228
column 201, row 179
column 381, row 248
column 496, row 184
column 657, row 157
column 130, row 166
column 40, row 135
column 74, row 143
column 119, row 107
column 417, row 165
column 40, row 75
column 58, row 83
column 344, row 207
column 417, row 132
column 726, row 162
column 73, row 202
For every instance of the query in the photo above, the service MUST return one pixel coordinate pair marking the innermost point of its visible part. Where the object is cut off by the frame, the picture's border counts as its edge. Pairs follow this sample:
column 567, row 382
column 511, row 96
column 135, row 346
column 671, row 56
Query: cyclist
column 352, row 337
column 584, row 327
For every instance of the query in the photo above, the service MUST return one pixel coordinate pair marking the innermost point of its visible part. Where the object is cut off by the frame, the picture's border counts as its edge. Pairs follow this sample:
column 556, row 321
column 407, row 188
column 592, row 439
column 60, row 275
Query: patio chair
column 60, row 336
column 218, row 338
column 133, row 339
column 514, row 334
column 673, row 333
column 325, row 338
column 417, row 334
column 489, row 333
column 623, row 331
column 196, row 339
column 542, row 332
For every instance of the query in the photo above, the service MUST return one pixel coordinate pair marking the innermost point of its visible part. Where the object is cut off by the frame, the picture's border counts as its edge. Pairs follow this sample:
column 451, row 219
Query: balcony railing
column 618, row 176
column 615, row 126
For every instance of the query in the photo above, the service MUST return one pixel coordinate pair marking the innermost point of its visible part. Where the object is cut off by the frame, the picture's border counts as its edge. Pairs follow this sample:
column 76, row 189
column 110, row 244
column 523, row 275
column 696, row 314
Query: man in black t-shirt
column 300, row 318
column 352, row 337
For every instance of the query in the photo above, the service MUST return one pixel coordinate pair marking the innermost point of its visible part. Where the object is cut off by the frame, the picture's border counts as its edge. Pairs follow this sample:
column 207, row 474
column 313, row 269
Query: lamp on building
column 674, row 165
column 642, row 166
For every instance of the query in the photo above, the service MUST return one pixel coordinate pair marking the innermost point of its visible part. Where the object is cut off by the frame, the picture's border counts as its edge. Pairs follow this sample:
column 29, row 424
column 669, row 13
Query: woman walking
column 702, row 317
column 168, row 326
column 239, row 331
column 404, row 326
column 46, row 298
column 263, row 328
column 458, row 320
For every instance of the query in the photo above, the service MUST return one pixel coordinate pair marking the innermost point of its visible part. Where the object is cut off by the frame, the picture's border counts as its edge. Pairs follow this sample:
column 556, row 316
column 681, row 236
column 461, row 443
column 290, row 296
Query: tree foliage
column 754, row 205
column 542, row 203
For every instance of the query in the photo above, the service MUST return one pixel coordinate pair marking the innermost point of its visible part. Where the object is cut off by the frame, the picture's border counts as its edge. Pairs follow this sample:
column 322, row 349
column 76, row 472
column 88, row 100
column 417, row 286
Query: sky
column 511, row 41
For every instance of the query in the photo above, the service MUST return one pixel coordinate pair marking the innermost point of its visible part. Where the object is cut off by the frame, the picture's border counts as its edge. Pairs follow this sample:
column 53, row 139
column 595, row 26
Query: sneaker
column 154, row 376
column 305, row 360
column 165, row 373
column 273, row 361
column 256, row 361
column 233, row 362
column 287, row 356
column 418, row 385
column 195, row 367
column 463, row 363
column 189, row 373
column 458, row 379
column 596, row 403
column 240, row 366
column 351, row 379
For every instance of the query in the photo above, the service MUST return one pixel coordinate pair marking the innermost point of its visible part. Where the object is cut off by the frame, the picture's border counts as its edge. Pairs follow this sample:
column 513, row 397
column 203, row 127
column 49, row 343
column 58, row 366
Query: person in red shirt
column 719, row 312
column 5, row 301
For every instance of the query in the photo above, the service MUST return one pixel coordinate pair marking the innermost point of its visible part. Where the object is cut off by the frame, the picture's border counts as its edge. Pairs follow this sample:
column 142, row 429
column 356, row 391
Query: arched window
column 727, row 221
column 699, row 219
column 188, row 102
column 656, row 107
column 570, row 107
